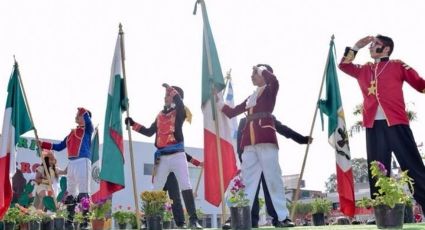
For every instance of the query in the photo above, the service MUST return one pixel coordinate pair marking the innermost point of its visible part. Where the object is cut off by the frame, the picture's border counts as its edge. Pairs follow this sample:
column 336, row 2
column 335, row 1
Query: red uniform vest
column 165, row 124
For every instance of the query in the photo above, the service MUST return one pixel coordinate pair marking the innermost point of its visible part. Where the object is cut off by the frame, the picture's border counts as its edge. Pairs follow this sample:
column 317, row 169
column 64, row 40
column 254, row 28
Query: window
column 147, row 169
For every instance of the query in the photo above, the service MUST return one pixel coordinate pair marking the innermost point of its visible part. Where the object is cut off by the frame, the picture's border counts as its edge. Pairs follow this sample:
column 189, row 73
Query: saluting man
column 170, row 155
column 259, row 141
column 384, row 115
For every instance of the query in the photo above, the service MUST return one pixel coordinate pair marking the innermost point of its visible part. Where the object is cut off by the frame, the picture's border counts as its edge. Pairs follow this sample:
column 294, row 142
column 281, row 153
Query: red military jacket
column 260, row 130
column 389, row 76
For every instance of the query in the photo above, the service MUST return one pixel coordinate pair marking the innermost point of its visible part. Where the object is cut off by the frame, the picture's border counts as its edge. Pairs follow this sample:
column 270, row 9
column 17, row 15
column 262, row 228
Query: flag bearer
column 170, row 155
column 259, row 141
column 78, row 144
column 384, row 115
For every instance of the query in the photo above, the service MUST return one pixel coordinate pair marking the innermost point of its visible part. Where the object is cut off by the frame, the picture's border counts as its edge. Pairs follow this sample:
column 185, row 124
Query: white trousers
column 79, row 176
column 175, row 163
column 264, row 158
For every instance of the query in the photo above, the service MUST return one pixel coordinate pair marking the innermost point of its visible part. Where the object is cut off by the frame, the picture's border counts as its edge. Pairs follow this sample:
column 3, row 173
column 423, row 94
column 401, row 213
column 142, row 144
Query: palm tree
column 358, row 125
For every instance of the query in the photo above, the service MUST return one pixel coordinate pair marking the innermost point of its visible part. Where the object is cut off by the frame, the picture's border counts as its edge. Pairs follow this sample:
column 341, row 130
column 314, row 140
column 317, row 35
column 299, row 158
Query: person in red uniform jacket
column 384, row 115
column 170, row 155
column 259, row 141
column 78, row 144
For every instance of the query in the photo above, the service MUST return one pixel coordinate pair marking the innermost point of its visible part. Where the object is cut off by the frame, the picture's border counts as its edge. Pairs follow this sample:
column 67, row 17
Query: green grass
column 348, row 227
column 352, row 227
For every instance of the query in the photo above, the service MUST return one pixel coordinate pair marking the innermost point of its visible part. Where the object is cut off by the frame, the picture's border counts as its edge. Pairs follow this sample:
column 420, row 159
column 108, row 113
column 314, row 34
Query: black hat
column 179, row 90
column 269, row 68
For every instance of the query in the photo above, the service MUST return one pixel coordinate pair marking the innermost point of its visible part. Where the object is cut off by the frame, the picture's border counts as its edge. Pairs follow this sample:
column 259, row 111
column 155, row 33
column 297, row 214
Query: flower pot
column 59, row 223
column 47, row 225
column 154, row 222
column 23, row 226
column 122, row 226
column 9, row 226
column 34, row 225
column 97, row 224
column 408, row 215
column 241, row 218
column 318, row 219
column 166, row 224
column 387, row 217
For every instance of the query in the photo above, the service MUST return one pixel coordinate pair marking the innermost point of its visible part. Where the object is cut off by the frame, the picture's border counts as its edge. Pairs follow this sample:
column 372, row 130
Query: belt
column 258, row 115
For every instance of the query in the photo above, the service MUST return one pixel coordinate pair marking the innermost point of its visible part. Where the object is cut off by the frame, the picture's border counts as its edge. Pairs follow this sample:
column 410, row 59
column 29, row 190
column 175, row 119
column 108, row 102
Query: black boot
column 189, row 202
column 85, row 224
column 70, row 203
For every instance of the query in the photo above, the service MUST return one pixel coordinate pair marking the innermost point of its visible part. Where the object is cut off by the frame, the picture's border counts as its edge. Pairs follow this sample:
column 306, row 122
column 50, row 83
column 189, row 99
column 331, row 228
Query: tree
column 360, row 174
column 358, row 110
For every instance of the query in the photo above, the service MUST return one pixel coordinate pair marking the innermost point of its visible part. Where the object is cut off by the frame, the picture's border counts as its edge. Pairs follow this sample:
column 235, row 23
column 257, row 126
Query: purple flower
column 381, row 168
column 85, row 203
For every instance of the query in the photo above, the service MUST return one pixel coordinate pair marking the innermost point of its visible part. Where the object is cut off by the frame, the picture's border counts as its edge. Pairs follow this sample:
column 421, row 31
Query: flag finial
column 14, row 59
column 333, row 37
column 229, row 74
column 121, row 32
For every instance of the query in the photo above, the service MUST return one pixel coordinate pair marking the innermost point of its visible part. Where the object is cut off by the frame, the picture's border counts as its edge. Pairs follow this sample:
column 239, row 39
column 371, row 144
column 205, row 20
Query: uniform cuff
column 195, row 162
column 136, row 126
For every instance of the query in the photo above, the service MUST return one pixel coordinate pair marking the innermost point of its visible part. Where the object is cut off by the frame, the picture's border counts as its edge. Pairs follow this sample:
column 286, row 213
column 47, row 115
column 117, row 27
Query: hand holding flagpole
column 297, row 192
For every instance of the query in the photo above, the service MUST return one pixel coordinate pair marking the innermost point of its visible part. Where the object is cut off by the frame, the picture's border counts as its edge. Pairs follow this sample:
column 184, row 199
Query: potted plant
column 153, row 205
column 320, row 207
column 240, row 211
column 82, row 213
column 10, row 218
column 390, row 200
column 98, row 212
column 168, row 216
column 60, row 216
column 23, row 220
column 46, row 221
column 121, row 217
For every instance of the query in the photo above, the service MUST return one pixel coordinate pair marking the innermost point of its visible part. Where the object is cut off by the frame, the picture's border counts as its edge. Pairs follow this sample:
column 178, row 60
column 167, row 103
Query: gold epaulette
column 349, row 57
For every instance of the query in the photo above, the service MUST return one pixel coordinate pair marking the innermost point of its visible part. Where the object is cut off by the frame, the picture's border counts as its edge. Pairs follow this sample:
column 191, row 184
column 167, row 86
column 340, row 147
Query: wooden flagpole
column 130, row 141
column 46, row 170
column 297, row 192
column 215, row 115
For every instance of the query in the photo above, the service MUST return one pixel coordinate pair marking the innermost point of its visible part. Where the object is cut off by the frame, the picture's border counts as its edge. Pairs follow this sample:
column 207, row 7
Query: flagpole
column 130, row 141
column 195, row 193
column 297, row 192
column 46, row 170
column 216, row 122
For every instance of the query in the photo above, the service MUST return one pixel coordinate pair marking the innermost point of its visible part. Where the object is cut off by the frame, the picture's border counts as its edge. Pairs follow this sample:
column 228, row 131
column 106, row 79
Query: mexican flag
column 16, row 121
column 212, row 77
column 338, row 137
column 112, row 169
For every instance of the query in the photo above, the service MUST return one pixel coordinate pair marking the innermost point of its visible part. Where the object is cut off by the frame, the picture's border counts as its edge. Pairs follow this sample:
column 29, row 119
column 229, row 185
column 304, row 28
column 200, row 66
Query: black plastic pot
column 154, row 223
column 34, row 225
column 318, row 219
column 408, row 215
column 9, row 226
column 387, row 217
column 241, row 218
column 59, row 223
column 47, row 225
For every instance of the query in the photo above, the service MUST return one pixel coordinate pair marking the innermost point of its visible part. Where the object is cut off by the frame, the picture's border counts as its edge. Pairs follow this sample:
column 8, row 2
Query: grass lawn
column 349, row 227
column 353, row 227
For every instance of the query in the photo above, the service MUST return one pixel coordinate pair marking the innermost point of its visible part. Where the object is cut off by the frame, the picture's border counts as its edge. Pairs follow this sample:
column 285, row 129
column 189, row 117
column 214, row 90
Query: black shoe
column 255, row 225
column 226, row 225
column 181, row 226
column 285, row 223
